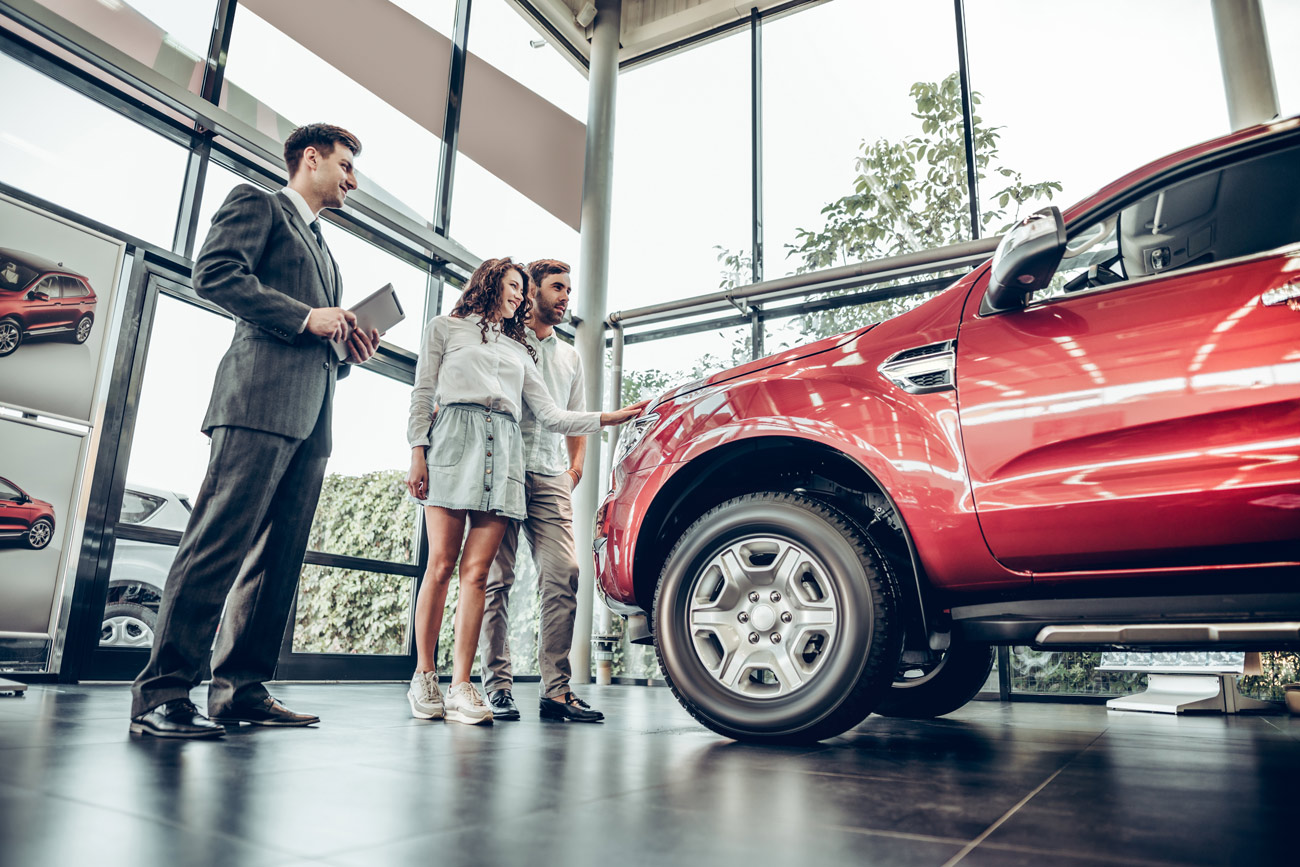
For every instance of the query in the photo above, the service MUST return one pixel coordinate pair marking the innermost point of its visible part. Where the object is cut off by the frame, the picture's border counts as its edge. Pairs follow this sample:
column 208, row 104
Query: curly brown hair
column 483, row 296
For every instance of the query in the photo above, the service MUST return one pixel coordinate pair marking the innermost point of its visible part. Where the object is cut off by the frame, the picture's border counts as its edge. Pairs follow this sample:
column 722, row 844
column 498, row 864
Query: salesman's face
column 333, row 177
column 551, row 300
column 512, row 294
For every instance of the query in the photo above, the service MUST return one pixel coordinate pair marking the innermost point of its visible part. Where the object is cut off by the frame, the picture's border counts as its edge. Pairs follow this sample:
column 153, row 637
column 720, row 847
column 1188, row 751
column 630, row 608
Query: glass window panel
column 1044, row 672
column 1086, row 128
column 48, row 157
column 135, row 584
column 821, row 108
column 681, row 173
column 653, row 367
column 364, row 509
column 491, row 219
column 169, row 37
column 351, row 611
column 399, row 158
column 501, row 35
column 365, row 268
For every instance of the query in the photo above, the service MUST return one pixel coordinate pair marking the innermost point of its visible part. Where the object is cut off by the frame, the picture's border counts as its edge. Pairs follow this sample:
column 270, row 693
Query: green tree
column 909, row 195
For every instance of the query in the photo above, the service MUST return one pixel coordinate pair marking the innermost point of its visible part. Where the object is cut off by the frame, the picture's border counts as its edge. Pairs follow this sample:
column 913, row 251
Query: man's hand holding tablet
column 371, row 317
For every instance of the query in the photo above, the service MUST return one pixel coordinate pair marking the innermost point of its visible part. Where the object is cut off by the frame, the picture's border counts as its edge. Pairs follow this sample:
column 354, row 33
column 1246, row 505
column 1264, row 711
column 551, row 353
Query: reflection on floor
column 996, row 784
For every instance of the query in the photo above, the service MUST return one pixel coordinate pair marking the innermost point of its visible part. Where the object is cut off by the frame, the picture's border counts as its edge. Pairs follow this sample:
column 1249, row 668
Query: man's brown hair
column 323, row 137
column 540, row 269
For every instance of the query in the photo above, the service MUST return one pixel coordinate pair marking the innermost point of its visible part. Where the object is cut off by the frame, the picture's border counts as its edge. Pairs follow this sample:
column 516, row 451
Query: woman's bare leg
column 485, row 533
column 445, row 528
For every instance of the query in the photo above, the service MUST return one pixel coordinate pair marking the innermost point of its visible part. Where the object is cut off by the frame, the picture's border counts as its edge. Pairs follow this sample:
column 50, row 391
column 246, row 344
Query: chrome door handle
column 1281, row 294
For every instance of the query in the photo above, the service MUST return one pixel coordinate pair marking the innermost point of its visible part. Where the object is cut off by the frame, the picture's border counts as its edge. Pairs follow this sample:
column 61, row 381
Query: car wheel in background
column 40, row 533
column 82, row 333
column 934, row 689
column 775, row 620
column 127, row 624
column 11, row 336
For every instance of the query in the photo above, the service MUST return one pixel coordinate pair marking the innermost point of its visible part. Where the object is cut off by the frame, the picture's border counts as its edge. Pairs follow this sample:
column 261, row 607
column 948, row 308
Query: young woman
column 467, row 464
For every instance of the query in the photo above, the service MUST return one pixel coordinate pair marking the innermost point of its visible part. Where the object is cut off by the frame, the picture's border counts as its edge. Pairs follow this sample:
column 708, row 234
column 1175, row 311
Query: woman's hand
column 619, row 416
column 417, row 478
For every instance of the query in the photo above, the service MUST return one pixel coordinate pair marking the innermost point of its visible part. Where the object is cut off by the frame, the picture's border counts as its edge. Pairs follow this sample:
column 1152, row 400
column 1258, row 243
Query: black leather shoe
column 176, row 719
column 267, row 712
column 570, row 708
column 503, row 705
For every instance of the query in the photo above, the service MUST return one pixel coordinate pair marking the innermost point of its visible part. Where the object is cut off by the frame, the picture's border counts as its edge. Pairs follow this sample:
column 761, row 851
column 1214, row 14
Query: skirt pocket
column 451, row 428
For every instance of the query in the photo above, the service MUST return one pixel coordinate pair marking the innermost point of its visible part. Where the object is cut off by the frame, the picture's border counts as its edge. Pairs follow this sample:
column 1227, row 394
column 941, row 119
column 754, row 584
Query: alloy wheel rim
column 40, row 534
column 83, row 330
column 125, row 631
column 8, row 337
column 763, row 616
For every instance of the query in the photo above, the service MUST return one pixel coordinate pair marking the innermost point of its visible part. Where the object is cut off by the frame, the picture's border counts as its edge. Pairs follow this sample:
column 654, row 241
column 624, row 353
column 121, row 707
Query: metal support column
column 603, row 638
column 968, row 119
column 451, row 119
column 1245, row 61
column 593, row 259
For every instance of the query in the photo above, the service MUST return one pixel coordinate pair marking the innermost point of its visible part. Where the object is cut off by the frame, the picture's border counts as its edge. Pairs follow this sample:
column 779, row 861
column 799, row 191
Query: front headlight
column 632, row 433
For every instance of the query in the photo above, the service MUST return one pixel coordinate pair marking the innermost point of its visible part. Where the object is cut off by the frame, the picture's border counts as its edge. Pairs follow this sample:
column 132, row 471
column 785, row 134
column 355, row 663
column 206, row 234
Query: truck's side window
column 1250, row 207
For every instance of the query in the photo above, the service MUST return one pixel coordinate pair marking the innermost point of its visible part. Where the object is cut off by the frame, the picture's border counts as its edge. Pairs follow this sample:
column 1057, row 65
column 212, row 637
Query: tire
column 82, row 332
column 40, row 533
column 128, row 624
column 11, row 336
column 924, row 692
column 797, row 641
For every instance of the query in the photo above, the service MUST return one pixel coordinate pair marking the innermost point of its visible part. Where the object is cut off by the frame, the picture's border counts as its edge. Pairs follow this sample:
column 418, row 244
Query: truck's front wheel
column 775, row 620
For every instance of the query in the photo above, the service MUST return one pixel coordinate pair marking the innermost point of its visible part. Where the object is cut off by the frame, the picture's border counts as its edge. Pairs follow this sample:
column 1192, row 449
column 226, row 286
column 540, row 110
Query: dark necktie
column 315, row 230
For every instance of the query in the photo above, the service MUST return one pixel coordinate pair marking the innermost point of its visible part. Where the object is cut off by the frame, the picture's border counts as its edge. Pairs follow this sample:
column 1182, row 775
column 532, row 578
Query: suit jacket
column 262, row 263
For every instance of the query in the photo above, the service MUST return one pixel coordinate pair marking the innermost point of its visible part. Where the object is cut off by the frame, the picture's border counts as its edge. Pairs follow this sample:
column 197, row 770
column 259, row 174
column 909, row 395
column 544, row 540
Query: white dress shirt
column 456, row 366
column 300, row 205
column 546, row 453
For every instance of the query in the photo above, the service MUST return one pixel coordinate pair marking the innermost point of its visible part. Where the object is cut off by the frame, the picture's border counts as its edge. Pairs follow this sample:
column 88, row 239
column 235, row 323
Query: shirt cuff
column 303, row 326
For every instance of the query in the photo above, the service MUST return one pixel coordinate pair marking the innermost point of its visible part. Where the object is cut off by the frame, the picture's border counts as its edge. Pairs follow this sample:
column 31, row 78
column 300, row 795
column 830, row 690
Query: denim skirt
column 476, row 461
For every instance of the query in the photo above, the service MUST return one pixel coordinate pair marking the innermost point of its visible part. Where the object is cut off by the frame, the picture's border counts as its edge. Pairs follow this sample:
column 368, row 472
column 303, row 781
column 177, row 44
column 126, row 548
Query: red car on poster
column 1090, row 441
column 39, row 297
column 23, row 517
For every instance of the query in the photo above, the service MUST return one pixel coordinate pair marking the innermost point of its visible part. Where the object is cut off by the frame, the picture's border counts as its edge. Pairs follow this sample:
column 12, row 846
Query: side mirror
column 37, row 295
column 1025, row 260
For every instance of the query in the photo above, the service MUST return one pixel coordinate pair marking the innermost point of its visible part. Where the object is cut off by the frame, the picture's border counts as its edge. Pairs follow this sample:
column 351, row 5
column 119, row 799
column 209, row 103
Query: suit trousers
column 243, row 548
column 549, row 531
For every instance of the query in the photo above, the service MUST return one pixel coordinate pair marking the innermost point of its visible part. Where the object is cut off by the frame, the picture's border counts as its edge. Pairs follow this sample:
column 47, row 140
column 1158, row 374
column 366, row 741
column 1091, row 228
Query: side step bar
column 1094, row 634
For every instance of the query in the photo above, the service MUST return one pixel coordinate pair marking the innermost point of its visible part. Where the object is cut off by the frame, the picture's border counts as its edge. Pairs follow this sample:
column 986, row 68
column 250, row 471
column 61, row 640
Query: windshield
column 15, row 276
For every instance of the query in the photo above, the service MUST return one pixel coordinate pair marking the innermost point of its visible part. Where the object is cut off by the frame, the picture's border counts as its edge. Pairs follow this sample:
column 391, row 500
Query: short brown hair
column 540, row 269
column 322, row 136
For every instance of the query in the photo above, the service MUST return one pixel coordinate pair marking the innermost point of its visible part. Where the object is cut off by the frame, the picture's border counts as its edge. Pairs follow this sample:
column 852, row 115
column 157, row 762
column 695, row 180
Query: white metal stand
column 1179, row 693
column 12, row 687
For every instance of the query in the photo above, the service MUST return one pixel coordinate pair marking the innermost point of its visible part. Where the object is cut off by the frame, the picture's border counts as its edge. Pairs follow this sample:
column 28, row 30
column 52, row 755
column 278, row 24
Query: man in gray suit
column 269, row 418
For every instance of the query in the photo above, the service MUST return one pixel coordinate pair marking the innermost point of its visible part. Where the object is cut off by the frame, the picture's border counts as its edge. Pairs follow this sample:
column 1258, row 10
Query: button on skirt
column 476, row 461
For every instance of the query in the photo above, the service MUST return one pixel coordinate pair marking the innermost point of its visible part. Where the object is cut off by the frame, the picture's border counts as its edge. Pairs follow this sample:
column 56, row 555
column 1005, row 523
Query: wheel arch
column 813, row 466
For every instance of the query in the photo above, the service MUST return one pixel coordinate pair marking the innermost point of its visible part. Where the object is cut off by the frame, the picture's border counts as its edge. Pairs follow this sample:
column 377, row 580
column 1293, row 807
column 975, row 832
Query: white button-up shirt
column 456, row 366
column 547, row 453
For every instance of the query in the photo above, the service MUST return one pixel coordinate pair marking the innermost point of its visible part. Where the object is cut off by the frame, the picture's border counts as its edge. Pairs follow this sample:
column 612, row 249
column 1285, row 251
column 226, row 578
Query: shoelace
column 183, row 704
column 503, row 696
column 474, row 698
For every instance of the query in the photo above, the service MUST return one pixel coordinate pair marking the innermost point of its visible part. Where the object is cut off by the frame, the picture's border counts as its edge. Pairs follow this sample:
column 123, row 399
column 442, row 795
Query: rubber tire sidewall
column 48, row 539
column 964, row 670
column 76, row 330
column 19, row 342
column 797, row 716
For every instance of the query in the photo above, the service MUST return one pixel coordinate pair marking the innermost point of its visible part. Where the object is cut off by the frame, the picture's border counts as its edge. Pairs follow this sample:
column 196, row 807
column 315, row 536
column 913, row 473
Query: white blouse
column 456, row 366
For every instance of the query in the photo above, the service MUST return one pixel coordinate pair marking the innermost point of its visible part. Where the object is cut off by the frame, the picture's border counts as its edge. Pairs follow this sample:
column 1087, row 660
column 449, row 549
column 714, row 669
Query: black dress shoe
column 570, row 708
column 267, row 712
column 176, row 719
column 503, row 705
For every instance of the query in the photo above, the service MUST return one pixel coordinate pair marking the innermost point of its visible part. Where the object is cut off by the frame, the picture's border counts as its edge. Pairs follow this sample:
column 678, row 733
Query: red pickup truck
column 1090, row 441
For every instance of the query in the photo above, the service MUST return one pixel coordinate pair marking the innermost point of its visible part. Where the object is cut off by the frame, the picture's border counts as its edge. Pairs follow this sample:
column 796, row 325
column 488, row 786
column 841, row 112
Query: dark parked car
column 23, row 517
column 39, row 297
column 1091, row 441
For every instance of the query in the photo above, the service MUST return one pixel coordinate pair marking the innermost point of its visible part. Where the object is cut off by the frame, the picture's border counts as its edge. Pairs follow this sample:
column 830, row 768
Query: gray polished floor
column 1015, row 784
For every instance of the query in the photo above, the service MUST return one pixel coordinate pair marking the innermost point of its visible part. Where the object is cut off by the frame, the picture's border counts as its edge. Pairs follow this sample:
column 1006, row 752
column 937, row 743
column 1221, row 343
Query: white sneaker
column 424, row 696
column 465, row 705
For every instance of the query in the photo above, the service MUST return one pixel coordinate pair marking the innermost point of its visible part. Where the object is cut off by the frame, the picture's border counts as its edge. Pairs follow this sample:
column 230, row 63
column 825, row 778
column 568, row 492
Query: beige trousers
column 549, row 531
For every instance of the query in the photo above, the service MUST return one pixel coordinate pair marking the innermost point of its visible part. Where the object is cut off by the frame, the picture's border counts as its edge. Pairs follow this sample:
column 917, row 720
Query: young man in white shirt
column 553, row 468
